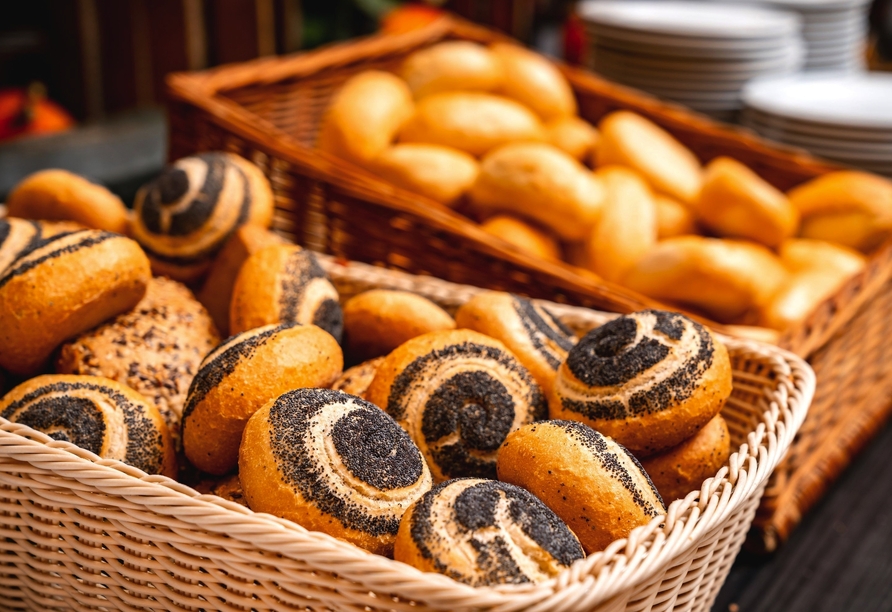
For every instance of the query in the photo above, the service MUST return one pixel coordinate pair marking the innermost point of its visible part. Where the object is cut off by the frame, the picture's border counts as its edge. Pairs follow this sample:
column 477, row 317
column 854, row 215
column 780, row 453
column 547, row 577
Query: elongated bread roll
column 526, row 237
column 455, row 65
column 535, row 82
column 673, row 218
column 801, row 254
column 577, row 137
column 440, row 173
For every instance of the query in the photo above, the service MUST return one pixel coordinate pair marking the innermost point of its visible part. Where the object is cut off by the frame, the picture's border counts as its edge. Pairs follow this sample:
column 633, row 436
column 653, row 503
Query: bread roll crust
column 527, row 238
column 442, row 174
column 673, row 218
column 455, row 65
column 534, row 81
column 357, row 379
column 576, row 137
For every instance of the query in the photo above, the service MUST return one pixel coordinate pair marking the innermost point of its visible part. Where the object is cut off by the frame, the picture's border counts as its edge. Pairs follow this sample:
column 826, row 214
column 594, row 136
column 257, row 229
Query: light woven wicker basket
column 84, row 533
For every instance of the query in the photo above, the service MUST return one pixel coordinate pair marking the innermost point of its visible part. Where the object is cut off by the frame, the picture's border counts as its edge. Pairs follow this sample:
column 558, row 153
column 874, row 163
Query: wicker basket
column 88, row 533
column 270, row 110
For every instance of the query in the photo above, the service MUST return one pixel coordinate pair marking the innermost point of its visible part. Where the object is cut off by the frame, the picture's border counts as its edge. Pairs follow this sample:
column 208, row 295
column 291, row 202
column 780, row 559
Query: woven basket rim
column 597, row 578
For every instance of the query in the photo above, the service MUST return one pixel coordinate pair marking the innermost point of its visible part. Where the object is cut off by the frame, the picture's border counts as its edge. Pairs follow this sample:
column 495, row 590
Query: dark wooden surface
column 838, row 560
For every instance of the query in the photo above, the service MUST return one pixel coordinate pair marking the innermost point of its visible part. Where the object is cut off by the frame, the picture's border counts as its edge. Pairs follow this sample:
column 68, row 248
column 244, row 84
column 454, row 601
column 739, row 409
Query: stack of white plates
column 843, row 117
column 698, row 54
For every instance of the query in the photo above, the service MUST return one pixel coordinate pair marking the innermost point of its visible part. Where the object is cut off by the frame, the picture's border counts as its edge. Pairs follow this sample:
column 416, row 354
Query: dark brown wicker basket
column 270, row 110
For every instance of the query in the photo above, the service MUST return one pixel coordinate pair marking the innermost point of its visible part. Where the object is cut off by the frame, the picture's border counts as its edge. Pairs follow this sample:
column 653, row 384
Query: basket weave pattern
column 86, row 533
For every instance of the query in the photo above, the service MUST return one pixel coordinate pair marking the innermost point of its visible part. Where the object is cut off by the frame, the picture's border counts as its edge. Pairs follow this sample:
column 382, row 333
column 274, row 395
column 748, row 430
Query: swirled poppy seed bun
column 98, row 414
column 16, row 237
column 62, row 287
column 648, row 380
column 334, row 463
column 594, row 484
column 484, row 533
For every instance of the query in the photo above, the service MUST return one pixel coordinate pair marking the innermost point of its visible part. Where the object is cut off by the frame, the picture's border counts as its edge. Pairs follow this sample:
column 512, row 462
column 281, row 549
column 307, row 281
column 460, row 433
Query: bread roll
column 576, row 137
column 534, row 81
column 798, row 297
column 365, row 115
column 440, row 173
column 59, row 195
column 667, row 165
column 357, row 379
column 628, row 225
column 850, row 208
column 737, row 203
column 471, row 122
column 801, row 254
column 673, row 218
column 723, row 278
column 455, row 65
column 528, row 238
column 538, row 181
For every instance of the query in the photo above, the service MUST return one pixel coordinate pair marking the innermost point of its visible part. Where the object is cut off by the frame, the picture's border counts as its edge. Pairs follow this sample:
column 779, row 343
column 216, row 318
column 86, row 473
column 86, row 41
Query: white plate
column 815, row 130
column 876, row 151
column 857, row 100
column 698, row 64
column 645, row 46
column 737, row 46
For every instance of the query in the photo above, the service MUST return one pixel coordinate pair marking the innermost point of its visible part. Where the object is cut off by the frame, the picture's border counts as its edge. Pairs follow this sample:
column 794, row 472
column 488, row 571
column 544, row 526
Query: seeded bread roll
column 186, row 215
column 442, row 174
column 333, row 463
column 62, row 287
column 683, row 468
column 535, row 82
column 484, row 533
column 528, row 238
column 458, row 393
column 648, row 380
column 230, row 489
column 18, row 236
column 357, row 379
column 594, row 484
column 100, row 415
column 536, row 337
column 378, row 321
column 576, row 137
column 155, row 348
column 216, row 293
column 59, row 195
column 284, row 284
column 455, row 65
column 243, row 374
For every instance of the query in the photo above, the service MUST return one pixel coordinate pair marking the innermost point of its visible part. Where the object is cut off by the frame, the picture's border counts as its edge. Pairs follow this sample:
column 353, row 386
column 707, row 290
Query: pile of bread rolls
column 494, row 447
column 492, row 131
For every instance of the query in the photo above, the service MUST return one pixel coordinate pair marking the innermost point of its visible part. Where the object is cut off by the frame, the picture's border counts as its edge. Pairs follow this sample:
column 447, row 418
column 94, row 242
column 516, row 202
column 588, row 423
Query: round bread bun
column 673, row 218
column 186, row 215
column 595, row 485
column 59, row 195
column 536, row 337
column 357, row 379
column 334, row 463
column 243, row 374
column 534, row 81
column 442, row 174
column 683, row 468
column 484, row 533
column 365, row 116
column 628, row 139
column 458, row 393
column 648, row 380
column 455, row 65
column 378, row 321
column 527, row 238
column 98, row 414
column 722, row 278
column 738, row 203
column 155, row 348
column 62, row 287
column 574, row 136
column 540, row 182
column 284, row 283
column 473, row 122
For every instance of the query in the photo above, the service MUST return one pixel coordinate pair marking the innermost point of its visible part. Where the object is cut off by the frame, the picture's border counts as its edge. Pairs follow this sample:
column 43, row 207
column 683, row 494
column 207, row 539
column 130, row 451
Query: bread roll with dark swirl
column 648, row 380
column 357, row 379
column 95, row 413
column 284, row 284
column 485, row 532
column 536, row 337
column 334, row 463
column 458, row 393
column 16, row 237
column 183, row 217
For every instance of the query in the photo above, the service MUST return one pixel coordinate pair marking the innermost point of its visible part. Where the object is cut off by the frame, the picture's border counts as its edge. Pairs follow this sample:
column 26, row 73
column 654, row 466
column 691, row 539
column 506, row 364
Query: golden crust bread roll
column 737, row 203
column 526, row 237
column 628, row 139
column 59, row 195
column 534, row 81
column 538, row 181
column 753, row 332
column 365, row 115
column 798, row 297
column 470, row 121
column 378, row 321
column 627, row 228
column 356, row 380
column 576, row 137
column 673, row 218
column 850, row 208
column 801, row 254
column 722, row 278
column 216, row 293
column 595, row 485
column 455, row 65
column 442, row 174
column 683, row 468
